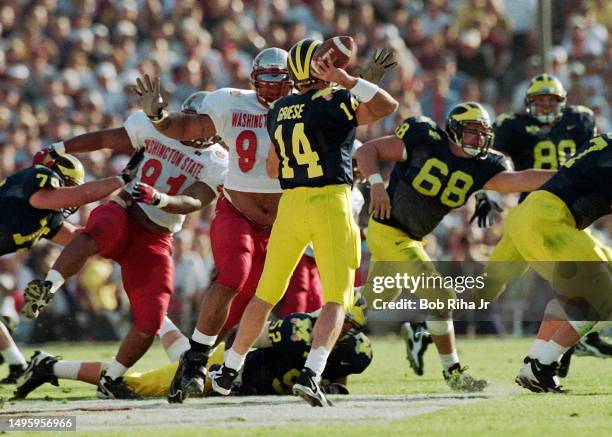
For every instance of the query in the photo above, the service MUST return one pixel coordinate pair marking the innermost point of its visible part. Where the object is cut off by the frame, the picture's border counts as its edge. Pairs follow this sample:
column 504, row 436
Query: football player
column 270, row 369
column 313, row 134
column 241, row 226
column 35, row 201
column 545, row 136
column 436, row 171
column 550, row 226
column 135, row 228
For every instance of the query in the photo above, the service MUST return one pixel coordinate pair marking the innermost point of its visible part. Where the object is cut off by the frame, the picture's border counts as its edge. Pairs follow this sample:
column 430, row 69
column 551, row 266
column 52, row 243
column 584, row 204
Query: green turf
column 587, row 410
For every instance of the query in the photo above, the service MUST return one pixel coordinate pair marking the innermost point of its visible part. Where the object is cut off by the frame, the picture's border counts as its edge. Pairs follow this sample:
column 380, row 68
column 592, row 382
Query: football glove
column 37, row 295
column 149, row 97
column 484, row 211
column 380, row 63
column 128, row 173
column 45, row 156
column 144, row 193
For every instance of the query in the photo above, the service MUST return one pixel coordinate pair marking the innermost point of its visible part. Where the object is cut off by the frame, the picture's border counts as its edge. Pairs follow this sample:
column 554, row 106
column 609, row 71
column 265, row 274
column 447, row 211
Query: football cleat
column 592, row 345
column 36, row 295
column 538, row 377
column 335, row 388
column 417, row 340
column 564, row 362
column 38, row 372
column 109, row 388
column 459, row 380
column 223, row 379
column 308, row 388
column 189, row 377
column 15, row 371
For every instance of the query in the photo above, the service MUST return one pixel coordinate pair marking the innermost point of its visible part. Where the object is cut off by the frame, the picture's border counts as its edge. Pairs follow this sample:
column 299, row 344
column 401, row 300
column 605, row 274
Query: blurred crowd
column 65, row 66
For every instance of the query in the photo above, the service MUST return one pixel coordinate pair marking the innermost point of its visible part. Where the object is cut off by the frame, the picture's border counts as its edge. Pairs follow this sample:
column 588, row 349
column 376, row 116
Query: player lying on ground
column 271, row 368
column 436, row 171
column 135, row 228
column 34, row 203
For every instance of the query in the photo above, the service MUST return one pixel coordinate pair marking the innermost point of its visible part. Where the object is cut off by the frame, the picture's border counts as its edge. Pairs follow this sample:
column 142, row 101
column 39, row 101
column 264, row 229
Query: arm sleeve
column 54, row 224
column 215, row 105
column 216, row 169
column 134, row 126
column 343, row 108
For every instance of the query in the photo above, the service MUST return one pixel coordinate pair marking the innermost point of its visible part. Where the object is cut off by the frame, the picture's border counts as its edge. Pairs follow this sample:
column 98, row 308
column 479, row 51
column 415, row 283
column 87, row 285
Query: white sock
column 317, row 359
column 67, row 369
column 56, row 279
column 536, row 347
column 175, row 350
column 115, row 369
column 449, row 360
column 166, row 327
column 199, row 337
column 13, row 355
column 551, row 352
column 234, row 360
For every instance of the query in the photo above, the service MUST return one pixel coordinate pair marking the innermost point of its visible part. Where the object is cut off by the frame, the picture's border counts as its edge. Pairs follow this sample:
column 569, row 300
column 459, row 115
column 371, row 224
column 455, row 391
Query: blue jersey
column 313, row 135
column 432, row 180
column 22, row 225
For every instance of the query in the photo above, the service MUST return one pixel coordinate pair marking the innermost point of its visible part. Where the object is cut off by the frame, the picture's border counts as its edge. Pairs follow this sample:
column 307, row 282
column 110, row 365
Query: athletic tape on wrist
column 364, row 90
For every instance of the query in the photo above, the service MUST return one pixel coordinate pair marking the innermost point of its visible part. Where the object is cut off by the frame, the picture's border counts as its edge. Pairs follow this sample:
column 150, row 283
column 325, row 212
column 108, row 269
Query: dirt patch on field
column 249, row 412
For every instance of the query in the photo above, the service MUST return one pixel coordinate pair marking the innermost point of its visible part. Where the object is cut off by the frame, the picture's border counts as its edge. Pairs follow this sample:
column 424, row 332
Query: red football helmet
column 270, row 76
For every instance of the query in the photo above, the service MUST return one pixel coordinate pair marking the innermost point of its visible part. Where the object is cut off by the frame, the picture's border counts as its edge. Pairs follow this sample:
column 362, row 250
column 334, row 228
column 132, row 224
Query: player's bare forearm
column 382, row 104
column 116, row 139
column 65, row 197
column 518, row 181
column 65, row 234
column 367, row 159
column 183, row 204
column 184, row 127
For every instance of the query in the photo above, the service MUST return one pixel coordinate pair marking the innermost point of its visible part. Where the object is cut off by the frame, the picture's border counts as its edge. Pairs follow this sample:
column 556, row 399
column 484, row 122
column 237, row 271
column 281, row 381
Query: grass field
column 388, row 399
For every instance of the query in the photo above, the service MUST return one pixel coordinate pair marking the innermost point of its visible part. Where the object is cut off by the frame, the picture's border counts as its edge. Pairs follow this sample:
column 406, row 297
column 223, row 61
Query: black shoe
column 223, row 379
column 109, row 388
column 564, row 363
column 189, row 377
column 308, row 388
column 592, row 345
column 458, row 379
column 15, row 371
column 539, row 378
column 39, row 371
column 417, row 339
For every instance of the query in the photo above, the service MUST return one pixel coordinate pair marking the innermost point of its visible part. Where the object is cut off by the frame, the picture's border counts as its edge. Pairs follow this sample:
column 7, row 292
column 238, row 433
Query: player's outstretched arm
column 192, row 199
column 116, row 139
column 178, row 125
column 388, row 148
column 518, row 181
column 66, row 197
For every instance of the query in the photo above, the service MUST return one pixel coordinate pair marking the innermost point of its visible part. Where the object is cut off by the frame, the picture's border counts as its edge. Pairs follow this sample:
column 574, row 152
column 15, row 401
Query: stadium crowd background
column 65, row 66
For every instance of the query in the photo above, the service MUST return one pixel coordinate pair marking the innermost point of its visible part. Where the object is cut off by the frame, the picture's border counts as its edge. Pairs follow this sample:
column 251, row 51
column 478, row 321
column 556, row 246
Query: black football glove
column 130, row 169
column 484, row 210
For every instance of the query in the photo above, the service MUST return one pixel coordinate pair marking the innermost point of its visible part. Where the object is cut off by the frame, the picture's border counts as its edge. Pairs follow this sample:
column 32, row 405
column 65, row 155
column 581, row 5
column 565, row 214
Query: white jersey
column 170, row 166
column 240, row 120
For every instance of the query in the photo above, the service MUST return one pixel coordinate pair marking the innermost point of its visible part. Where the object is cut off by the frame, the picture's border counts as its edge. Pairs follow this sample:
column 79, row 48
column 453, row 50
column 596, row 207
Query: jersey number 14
column 300, row 150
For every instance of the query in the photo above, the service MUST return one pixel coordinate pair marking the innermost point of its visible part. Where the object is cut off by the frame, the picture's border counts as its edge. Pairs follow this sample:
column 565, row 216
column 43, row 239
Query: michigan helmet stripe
column 472, row 112
column 300, row 64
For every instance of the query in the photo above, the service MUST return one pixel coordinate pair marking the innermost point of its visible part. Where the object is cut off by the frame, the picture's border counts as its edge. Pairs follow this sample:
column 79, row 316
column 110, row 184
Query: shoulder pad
column 325, row 92
column 583, row 109
column 505, row 116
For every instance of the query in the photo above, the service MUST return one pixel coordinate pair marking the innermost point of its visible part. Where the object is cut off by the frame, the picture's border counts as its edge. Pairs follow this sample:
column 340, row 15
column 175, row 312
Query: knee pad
column 439, row 327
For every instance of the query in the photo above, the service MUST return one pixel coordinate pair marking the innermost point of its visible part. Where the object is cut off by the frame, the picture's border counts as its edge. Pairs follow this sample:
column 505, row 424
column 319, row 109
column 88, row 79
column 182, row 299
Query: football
column 339, row 49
